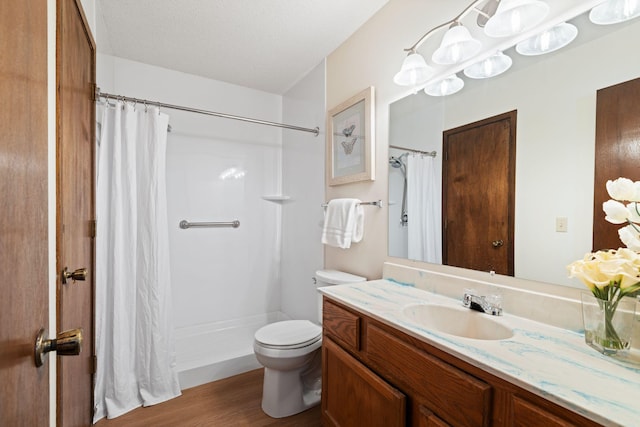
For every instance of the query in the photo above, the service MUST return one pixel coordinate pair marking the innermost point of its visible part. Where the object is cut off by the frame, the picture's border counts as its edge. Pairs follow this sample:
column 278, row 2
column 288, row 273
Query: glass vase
column 608, row 325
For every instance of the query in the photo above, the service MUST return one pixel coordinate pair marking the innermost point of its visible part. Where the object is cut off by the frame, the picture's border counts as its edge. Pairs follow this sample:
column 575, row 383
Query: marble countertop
column 551, row 362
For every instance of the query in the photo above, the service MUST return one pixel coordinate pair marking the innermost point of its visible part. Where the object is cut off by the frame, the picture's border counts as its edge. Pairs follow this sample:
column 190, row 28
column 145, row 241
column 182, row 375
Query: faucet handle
column 466, row 300
column 494, row 299
column 466, row 296
column 495, row 302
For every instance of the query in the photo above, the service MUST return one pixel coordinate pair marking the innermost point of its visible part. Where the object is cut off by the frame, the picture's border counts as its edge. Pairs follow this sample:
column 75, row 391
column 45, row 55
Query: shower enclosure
column 228, row 282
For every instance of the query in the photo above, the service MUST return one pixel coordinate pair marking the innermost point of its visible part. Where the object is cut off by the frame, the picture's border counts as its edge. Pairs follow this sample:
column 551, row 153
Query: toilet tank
column 333, row 277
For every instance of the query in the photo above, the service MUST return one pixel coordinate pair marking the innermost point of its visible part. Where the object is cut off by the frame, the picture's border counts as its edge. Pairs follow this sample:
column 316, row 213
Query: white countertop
column 551, row 362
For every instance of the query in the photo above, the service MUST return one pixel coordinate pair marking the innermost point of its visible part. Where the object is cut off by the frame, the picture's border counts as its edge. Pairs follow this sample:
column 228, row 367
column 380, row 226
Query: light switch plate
column 561, row 224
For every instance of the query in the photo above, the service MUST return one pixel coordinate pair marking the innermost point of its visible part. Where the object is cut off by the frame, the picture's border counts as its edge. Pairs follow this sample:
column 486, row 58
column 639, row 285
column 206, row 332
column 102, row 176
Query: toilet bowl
column 290, row 353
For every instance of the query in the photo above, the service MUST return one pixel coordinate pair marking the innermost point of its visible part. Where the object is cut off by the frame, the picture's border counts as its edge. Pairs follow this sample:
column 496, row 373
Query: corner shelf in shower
column 276, row 198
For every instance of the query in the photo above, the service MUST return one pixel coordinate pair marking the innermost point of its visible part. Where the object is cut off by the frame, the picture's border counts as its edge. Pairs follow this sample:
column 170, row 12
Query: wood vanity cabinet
column 376, row 375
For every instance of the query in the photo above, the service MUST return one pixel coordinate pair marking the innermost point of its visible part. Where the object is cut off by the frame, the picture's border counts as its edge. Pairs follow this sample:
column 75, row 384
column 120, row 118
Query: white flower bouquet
column 613, row 274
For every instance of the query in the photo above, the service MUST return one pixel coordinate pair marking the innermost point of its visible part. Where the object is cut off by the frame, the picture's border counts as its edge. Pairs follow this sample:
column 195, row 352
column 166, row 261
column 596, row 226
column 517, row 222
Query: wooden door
column 617, row 152
column 75, row 207
column 478, row 189
column 24, row 288
column 353, row 396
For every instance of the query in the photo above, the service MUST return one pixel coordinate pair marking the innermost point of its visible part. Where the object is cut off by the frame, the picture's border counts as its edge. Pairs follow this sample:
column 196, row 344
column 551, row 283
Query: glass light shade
column 548, row 41
column 446, row 86
column 414, row 71
column 490, row 67
column 516, row 16
column 614, row 11
column 457, row 45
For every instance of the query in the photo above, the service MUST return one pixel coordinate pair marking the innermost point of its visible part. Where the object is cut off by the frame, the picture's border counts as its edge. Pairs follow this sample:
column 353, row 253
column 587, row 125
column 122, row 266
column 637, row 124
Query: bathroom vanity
column 383, row 367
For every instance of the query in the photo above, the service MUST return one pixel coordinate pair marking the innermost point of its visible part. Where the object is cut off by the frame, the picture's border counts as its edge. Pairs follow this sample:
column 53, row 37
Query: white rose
column 616, row 212
column 624, row 189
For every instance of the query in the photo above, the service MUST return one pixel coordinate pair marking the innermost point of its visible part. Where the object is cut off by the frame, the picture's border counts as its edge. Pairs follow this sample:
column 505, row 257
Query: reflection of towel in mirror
column 343, row 223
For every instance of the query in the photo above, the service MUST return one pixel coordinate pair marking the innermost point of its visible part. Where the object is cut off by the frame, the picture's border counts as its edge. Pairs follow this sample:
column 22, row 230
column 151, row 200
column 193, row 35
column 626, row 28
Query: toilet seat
column 288, row 334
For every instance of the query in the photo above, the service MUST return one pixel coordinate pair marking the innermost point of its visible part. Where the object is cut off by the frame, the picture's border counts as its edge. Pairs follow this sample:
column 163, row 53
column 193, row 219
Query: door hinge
column 94, row 367
column 93, row 228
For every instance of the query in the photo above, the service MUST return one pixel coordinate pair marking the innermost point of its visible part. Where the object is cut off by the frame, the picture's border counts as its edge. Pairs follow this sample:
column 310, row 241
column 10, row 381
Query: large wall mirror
column 555, row 99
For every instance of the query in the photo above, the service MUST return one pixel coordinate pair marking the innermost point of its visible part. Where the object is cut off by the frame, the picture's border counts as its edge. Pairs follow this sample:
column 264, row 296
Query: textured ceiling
column 262, row 44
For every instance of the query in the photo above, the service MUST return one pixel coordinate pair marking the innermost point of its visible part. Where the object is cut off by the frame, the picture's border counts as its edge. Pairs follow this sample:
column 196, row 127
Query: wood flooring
column 233, row 401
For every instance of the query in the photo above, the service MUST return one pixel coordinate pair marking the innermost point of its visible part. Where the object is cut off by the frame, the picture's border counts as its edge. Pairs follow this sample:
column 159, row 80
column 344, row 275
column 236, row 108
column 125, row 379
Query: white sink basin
column 458, row 321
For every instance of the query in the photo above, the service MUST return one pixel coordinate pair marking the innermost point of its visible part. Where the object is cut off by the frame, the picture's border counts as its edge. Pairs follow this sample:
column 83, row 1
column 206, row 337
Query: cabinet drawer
column 341, row 324
column 526, row 414
column 454, row 396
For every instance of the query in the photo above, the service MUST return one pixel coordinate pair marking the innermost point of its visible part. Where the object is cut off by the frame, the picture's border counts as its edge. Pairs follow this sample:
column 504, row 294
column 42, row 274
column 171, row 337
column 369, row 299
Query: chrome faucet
column 490, row 304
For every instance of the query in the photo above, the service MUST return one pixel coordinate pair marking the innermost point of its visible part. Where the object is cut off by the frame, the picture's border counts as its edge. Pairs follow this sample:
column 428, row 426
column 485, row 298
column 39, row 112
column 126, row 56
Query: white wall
column 370, row 58
column 303, row 181
column 374, row 54
column 89, row 10
column 217, row 274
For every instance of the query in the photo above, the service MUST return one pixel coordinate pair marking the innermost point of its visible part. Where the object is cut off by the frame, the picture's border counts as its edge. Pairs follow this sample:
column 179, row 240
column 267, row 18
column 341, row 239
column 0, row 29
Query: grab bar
column 184, row 224
column 377, row 203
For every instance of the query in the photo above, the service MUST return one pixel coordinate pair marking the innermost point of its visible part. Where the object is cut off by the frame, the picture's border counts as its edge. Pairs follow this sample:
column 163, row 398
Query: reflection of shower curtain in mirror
column 422, row 209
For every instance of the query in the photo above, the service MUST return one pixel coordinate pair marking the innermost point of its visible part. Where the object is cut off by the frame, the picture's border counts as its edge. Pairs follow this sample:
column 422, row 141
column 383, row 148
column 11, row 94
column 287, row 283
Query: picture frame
column 350, row 140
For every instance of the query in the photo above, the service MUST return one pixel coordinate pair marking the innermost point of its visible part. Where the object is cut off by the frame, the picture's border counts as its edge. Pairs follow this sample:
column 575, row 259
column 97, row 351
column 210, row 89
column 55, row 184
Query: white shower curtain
column 134, row 331
column 423, row 214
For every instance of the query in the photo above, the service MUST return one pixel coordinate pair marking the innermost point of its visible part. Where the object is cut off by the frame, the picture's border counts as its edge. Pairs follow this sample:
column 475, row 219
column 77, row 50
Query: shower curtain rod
column 426, row 153
column 98, row 95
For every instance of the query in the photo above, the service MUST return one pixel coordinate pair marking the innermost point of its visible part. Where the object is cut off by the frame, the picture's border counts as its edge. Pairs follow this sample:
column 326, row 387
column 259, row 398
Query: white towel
column 343, row 223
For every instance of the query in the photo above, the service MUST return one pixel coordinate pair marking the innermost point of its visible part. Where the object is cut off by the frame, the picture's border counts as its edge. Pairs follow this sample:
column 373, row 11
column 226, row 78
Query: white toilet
column 290, row 353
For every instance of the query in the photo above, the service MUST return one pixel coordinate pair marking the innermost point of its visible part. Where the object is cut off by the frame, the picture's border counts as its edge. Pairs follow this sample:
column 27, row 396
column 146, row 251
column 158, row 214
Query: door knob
column 79, row 274
column 497, row 243
column 67, row 343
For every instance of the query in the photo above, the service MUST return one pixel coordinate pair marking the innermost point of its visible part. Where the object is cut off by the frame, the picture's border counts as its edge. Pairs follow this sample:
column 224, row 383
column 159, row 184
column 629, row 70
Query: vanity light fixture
column 614, row 12
column 457, row 45
column 414, row 71
column 489, row 67
column 497, row 19
column 515, row 16
column 446, row 86
column 548, row 41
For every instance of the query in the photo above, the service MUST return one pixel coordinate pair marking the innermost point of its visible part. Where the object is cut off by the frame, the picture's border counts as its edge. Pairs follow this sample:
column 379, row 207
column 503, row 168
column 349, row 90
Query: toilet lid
column 289, row 334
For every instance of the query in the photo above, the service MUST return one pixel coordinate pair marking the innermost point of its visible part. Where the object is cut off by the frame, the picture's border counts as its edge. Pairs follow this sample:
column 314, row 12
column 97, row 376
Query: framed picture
column 350, row 145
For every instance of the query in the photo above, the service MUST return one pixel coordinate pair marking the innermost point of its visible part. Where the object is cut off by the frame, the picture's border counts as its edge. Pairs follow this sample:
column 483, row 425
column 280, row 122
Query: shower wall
column 225, row 281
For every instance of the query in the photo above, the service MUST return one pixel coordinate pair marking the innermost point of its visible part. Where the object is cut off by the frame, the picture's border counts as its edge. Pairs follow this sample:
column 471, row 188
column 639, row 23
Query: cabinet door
column 352, row 395
column 426, row 418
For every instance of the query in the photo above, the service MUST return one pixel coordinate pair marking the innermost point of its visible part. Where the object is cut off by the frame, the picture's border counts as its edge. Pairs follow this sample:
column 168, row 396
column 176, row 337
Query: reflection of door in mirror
column 478, row 191
column 617, row 152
